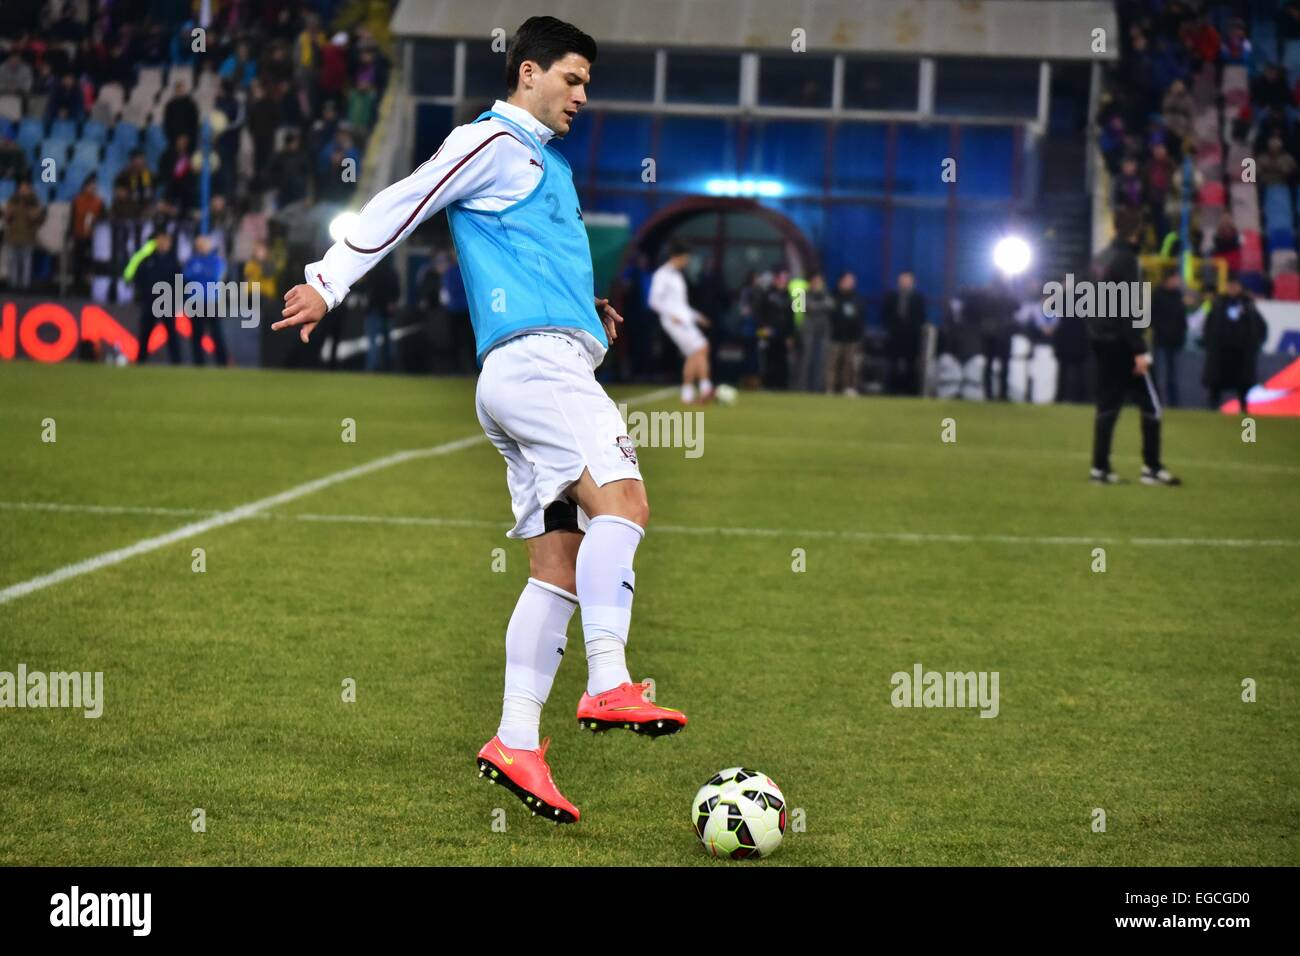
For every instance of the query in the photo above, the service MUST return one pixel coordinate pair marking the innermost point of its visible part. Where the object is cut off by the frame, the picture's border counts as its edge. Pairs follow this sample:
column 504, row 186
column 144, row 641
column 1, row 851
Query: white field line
column 223, row 518
column 916, row 537
column 1009, row 450
column 253, row 509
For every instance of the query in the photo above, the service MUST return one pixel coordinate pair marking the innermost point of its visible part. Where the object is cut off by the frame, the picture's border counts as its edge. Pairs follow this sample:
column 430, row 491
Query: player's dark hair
column 677, row 248
column 545, row 40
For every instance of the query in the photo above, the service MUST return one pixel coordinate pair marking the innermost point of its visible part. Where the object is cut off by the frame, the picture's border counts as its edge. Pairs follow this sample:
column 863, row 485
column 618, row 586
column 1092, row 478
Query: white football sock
column 605, row 589
column 688, row 393
column 706, row 386
column 535, row 642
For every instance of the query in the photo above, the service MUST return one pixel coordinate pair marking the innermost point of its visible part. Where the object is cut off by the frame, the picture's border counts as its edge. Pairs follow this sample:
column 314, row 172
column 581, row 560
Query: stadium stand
column 1216, row 83
column 81, row 104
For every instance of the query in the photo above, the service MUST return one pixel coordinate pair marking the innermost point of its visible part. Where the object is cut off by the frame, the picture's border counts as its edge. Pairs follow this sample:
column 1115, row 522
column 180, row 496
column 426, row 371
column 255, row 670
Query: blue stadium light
column 768, row 188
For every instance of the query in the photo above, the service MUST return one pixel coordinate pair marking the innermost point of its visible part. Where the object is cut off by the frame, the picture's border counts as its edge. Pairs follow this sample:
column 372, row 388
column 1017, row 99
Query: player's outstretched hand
column 303, row 306
column 702, row 320
column 609, row 318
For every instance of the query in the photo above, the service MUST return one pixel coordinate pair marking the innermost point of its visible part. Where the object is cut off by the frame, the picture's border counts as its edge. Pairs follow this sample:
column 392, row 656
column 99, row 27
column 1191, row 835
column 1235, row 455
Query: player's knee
column 556, row 568
column 640, row 513
column 637, row 508
column 630, row 504
column 554, row 574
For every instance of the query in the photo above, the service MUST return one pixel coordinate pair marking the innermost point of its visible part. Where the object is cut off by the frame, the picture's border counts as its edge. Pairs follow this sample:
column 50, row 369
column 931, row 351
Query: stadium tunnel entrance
column 731, row 237
column 741, row 235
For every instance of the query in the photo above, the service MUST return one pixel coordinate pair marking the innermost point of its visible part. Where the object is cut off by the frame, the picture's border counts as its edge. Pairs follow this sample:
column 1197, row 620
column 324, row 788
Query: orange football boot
column 628, row 706
column 526, row 774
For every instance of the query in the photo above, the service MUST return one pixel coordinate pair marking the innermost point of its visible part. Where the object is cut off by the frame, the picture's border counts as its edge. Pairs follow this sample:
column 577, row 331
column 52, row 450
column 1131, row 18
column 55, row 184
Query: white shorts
column 685, row 335
column 540, row 404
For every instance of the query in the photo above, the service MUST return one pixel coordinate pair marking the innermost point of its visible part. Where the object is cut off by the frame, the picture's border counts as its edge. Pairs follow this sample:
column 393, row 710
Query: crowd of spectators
column 1194, row 105
column 776, row 331
column 284, row 95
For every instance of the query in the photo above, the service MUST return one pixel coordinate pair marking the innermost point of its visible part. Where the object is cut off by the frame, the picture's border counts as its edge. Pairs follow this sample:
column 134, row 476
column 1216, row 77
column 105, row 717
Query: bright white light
column 341, row 224
column 744, row 187
column 1011, row 255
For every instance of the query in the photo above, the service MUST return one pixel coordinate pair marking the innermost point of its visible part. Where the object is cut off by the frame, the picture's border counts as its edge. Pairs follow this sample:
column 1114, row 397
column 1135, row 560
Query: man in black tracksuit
column 1123, row 364
column 1169, row 330
column 903, row 315
column 1234, row 333
column 163, row 266
column 777, row 317
column 997, row 318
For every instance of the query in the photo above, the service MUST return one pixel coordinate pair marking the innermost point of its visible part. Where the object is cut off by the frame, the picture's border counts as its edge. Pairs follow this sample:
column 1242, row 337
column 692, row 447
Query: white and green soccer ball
column 725, row 394
column 739, row 813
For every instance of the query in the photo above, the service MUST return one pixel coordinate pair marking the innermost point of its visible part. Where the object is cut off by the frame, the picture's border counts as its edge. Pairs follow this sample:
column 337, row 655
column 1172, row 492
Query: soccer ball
column 739, row 813
column 725, row 395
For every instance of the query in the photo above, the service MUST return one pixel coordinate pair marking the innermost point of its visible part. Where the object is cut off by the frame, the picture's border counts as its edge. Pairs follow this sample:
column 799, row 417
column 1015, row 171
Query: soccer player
column 579, row 502
column 681, row 322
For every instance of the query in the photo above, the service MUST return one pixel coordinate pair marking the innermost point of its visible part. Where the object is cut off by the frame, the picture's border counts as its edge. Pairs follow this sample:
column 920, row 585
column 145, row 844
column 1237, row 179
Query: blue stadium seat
column 7, row 187
column 78, row 170
column 1291, row 57
column 118, row 152
column 153, row 155
column 63, row 129
column 155, row 142
column 67, row 189
column 30, row 133
column 108, row 171
column 1275, row 219
column 1263, row 37
column 95, row 131
column 1277, row 206
column 7, row 129
column 1255, row 283
column 55, row 149
column 126, row 135
column 86, row 151
column 1280, row 239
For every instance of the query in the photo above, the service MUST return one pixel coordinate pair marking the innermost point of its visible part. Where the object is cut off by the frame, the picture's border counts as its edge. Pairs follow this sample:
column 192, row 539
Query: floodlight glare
column 341, row 224
column 1011, row 255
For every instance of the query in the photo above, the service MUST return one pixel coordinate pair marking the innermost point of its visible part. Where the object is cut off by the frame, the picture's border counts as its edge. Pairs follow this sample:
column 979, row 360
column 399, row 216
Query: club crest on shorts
column 628, row 449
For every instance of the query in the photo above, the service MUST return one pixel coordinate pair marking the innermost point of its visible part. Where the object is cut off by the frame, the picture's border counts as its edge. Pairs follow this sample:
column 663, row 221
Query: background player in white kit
column 574, row 480
column 681, row 322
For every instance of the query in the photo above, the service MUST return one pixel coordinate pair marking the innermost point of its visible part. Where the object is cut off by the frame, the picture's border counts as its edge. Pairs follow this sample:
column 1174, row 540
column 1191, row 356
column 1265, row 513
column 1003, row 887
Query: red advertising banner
column 48, row 330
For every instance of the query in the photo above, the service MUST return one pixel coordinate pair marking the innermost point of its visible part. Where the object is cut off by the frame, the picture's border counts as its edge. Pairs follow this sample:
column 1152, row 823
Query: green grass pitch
column 1119, row 690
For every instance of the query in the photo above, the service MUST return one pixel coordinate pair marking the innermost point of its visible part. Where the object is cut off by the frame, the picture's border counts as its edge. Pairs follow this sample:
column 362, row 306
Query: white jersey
column 668, row 298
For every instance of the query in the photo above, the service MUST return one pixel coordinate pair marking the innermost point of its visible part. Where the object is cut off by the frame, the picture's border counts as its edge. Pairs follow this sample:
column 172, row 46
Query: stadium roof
column 1003, row 28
